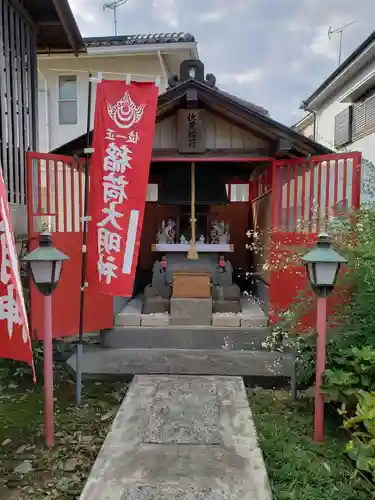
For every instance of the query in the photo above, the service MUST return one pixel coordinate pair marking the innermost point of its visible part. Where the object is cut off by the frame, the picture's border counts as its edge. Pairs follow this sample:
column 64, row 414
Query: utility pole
column 113, row 6
column 339, row 31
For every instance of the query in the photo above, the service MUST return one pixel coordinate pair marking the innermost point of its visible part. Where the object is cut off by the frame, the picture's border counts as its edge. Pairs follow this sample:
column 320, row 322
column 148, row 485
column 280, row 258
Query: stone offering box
column 192, row 284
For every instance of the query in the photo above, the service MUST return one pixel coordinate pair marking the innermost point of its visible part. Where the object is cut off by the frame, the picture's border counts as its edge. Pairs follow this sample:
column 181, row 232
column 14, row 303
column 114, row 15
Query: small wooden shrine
column 210, row 182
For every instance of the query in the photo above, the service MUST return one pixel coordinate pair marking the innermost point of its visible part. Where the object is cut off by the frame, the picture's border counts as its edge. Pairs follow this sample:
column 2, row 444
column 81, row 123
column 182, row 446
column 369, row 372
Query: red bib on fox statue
column 124, row 127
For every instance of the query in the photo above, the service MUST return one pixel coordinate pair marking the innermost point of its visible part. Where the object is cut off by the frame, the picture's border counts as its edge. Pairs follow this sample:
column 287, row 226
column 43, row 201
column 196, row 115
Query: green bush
column 349, row 381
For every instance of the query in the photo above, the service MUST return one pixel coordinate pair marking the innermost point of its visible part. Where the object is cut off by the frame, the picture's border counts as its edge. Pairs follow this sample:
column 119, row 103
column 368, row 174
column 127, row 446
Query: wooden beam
column 66, row 27
column 212, row 159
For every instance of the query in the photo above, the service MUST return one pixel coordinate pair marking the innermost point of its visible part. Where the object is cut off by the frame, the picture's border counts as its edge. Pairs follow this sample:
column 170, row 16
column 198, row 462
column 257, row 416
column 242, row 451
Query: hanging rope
column 192, row 253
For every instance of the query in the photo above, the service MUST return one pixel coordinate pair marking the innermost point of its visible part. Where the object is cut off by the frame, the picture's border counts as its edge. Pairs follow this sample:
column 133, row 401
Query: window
column 364, row 115
column 152, row 192
column 343, row 127
column 68, row 105
column 238, row 192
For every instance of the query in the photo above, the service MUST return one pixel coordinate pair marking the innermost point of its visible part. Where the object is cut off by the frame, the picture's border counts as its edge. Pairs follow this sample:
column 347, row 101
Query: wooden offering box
column 191, row 285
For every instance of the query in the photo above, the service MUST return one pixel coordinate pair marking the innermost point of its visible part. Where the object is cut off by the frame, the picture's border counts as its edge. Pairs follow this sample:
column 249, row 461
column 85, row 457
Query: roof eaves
column 353, row 56
column 70, row 25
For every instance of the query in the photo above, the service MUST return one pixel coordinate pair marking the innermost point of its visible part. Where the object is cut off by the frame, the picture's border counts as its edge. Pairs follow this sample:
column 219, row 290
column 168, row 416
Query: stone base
column 252, row 314
column 164, row 291
column 154, row 305
column 159, row 319
column 131, row 314
column 230, row 292
column 227, row 306
column 191, row 311
column 226, row 320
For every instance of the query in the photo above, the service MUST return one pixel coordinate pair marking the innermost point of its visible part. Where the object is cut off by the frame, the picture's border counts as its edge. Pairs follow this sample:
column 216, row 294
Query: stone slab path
column 181, row 437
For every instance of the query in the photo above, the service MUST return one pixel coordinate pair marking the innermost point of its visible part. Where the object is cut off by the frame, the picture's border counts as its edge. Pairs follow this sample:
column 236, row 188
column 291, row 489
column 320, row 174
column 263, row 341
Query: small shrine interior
column 193, row 234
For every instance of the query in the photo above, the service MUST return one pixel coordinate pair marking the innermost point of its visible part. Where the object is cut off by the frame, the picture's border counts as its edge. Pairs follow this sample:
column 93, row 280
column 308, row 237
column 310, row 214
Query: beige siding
column 220, row 134
column 112, row 67
column 306, row 130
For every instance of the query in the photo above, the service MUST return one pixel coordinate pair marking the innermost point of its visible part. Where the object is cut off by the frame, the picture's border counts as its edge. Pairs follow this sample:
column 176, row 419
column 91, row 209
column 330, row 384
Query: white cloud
column 216, row 16
column 322, row 45
column 244, row 77
column 166, row 11
column 80, row 9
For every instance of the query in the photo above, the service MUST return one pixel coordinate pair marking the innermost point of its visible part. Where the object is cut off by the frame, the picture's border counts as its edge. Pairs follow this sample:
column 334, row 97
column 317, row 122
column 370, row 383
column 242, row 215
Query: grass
column 79, row 435
column 299, row 468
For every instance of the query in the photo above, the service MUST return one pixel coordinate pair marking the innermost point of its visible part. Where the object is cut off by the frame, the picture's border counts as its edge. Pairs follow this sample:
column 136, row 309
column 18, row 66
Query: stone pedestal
column 197, row 312
column 154, row 305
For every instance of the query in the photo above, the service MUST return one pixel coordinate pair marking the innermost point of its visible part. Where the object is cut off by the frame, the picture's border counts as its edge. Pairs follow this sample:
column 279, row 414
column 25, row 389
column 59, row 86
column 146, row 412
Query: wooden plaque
column 190, row 131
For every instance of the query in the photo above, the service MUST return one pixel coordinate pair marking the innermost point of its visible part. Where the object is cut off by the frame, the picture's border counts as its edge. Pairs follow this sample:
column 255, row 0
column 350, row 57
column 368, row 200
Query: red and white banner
column 123, row 135
column 14, row 328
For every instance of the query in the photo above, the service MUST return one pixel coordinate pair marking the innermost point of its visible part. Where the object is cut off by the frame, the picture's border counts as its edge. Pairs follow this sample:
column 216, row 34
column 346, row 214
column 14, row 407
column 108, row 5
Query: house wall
column 307, row 129
column 325, row 122
column 219, row 135
column 51, row 134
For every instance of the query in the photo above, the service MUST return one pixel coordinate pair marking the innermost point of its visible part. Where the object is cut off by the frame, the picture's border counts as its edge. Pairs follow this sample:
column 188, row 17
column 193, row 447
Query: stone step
column 101, row 363
column 182, row 337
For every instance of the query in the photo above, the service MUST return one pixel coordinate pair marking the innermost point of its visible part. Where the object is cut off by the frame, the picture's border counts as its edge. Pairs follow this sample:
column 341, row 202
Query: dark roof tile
column 140, row 39
column 244, row 103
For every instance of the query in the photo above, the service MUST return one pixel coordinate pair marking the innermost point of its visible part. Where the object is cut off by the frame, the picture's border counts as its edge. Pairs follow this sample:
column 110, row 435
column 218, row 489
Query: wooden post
column 192, row 252
column 320, row 368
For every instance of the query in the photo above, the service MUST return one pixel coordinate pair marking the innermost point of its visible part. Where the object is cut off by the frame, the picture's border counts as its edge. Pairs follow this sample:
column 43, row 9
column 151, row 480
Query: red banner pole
column 320, row 367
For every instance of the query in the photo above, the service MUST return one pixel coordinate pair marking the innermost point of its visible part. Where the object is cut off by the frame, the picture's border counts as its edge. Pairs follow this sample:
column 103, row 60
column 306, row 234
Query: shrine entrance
column 221, row 167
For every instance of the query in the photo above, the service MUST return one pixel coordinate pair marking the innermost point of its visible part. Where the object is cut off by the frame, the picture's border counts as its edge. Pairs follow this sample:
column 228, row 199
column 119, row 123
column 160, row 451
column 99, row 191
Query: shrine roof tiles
column 244, row 103
column 138, row 39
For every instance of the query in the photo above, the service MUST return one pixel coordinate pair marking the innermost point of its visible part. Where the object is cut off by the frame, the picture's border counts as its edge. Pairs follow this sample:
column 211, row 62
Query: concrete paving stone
column 163, row 446
column 226, row 320
column 158, row 319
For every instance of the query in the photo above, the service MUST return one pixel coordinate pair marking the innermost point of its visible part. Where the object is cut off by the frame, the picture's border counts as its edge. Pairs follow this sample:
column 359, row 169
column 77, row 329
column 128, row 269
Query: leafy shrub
column 361, row 448
column 350, row 376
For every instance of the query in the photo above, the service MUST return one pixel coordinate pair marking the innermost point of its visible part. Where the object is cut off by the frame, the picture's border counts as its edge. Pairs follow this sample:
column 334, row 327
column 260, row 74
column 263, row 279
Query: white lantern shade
column 322, row 274
column 46, row 272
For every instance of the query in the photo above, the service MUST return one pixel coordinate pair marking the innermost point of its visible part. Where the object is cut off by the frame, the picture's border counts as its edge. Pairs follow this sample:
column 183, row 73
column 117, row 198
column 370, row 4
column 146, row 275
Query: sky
column 274, row 53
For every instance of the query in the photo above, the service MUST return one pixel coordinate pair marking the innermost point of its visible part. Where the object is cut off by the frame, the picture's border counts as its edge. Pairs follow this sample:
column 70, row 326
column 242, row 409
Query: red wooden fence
column 55, row 201
column 306, row 195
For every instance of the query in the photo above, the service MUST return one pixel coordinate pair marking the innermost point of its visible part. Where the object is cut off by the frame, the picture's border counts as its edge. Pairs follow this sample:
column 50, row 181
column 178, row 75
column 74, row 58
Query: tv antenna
column 340, row 31
column 113, row 6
